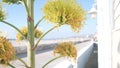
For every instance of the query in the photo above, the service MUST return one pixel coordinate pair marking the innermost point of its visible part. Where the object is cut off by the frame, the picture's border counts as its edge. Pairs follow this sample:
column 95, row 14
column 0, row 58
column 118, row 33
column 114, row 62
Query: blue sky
column 17, row 16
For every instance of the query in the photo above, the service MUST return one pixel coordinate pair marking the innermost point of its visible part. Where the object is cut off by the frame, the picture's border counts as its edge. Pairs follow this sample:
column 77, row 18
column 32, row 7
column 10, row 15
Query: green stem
column 25, row 3
column 38, row 22
column 11, row 65
column 51, row 61
column 30, row 52
column 13, row 27
column 39, row 39
column 21, row 61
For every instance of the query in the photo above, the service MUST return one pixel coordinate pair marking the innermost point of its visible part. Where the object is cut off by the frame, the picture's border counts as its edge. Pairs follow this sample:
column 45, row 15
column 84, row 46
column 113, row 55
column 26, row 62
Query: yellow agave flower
column 66, row 49
column 7, row 51
column 38, row 33
column 2, row 13
column 65, row 12
column 24, row 30
column 12, row 1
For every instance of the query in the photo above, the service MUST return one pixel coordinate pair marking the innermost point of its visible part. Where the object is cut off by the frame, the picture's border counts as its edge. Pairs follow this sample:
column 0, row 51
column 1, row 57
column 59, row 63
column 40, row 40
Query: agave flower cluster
column 66, row 49
column 7, row 51
column 2, row 13
column 24, row 30
column 11, row 1
column 65, row 12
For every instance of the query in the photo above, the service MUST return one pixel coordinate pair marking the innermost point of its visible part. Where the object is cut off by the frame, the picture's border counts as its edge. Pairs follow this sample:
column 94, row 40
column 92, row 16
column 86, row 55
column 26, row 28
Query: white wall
column 104, row 11
column 116, row 34
column 83, row 56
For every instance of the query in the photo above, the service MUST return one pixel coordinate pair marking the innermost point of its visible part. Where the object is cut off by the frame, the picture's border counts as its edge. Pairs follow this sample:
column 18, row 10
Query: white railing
column 83, row 55
column 21, row 47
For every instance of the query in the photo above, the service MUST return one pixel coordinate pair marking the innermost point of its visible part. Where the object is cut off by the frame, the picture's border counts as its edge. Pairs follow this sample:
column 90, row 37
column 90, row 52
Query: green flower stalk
column 65, row 12
column 7, row 51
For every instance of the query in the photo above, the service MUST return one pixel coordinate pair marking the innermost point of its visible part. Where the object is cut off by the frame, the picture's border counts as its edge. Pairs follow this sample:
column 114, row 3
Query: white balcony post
column 104, row 12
